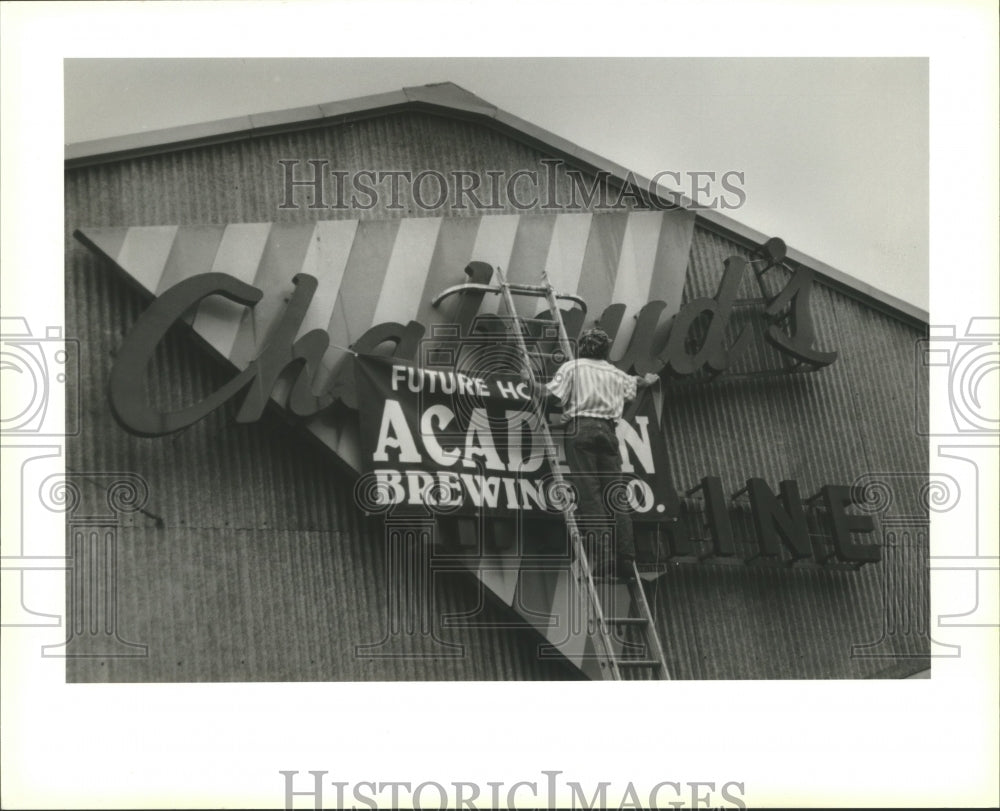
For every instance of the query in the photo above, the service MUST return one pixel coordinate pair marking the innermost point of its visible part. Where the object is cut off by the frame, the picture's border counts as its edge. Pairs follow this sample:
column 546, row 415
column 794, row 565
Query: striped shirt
column 592, row 388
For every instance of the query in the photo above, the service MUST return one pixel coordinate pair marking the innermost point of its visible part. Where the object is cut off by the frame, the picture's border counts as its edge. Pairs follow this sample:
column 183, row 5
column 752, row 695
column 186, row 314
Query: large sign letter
column 129, row 400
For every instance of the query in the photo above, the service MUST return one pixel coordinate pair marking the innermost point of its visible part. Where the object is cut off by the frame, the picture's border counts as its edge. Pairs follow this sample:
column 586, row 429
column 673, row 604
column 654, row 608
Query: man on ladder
column 593, row 394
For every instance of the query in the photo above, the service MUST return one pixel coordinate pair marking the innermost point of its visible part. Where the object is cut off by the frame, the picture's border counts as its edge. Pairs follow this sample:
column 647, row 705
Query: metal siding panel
column 600, row 263
column 145, row 251
column 709, row 252
column 452, row 252
column 261, row 542
column 409, row 266
column 326, row 260
column 109, row 240
column 216, row 605
column 192, row 253
column 636, row 264
column 367, row 265
column 672, row 256
column 827, row 427
column 527, row 259
column 283, row 257
column 242, row 246
column 494, row 244
column 564, row 262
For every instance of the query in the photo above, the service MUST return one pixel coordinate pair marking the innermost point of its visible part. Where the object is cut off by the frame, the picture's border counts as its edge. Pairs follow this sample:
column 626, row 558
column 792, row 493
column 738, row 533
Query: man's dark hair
column 594, row 343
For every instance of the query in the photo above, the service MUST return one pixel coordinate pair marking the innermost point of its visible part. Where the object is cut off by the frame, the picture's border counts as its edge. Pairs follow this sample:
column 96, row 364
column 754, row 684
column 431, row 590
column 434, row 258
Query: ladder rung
column 540, row 290
column 545, row 322
column 637, row 663
column 517, row 287
column 627, row 621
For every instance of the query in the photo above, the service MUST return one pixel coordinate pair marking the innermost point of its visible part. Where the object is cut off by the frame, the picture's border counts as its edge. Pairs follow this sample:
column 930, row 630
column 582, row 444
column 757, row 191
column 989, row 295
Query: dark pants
column 597, row 473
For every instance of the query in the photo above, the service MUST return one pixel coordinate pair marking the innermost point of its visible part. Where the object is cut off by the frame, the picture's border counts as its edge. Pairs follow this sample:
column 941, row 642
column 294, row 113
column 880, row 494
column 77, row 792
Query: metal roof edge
column 450, row 99
column 838, row 279
column 724, row 224
column 107, row 150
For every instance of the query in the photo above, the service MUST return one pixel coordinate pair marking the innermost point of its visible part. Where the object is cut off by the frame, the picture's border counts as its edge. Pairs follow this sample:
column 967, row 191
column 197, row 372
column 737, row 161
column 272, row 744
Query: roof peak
column 449, row 99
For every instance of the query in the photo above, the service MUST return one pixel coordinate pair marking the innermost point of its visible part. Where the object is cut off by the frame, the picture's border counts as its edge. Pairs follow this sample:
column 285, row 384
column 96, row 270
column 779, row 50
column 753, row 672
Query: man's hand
column 648, row 379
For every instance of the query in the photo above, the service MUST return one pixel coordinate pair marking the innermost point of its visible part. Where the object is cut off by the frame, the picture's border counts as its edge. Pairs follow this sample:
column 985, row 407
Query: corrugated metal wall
column 251, row 562
column 852, row 422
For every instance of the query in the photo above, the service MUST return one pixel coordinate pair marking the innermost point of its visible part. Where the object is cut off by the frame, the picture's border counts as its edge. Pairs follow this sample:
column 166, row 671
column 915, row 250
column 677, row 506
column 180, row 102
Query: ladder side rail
column 650, row 632
column 567, row 350
column 651, row 626
column 553, row 459
column 550, row 296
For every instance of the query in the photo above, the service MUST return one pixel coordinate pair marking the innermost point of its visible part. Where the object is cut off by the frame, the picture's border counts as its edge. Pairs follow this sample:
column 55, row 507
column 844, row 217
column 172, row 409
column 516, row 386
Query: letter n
column 776, row 521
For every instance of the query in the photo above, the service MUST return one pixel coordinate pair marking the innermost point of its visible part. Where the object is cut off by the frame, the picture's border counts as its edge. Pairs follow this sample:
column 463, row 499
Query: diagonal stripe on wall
column 369, row 272
column 373, row 272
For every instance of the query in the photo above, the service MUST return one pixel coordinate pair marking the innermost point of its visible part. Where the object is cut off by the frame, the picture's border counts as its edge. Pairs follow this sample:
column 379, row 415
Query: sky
column 834, row 151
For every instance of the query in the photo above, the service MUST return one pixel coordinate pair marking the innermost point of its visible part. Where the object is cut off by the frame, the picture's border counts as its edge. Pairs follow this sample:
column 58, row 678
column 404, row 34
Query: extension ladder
column 629, row 647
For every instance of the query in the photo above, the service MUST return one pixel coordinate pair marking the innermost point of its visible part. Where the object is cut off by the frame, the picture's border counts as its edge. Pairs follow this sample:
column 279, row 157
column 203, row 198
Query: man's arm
column 648, row 379
column 545, row 390
column 561, row 384
column 633, row 383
